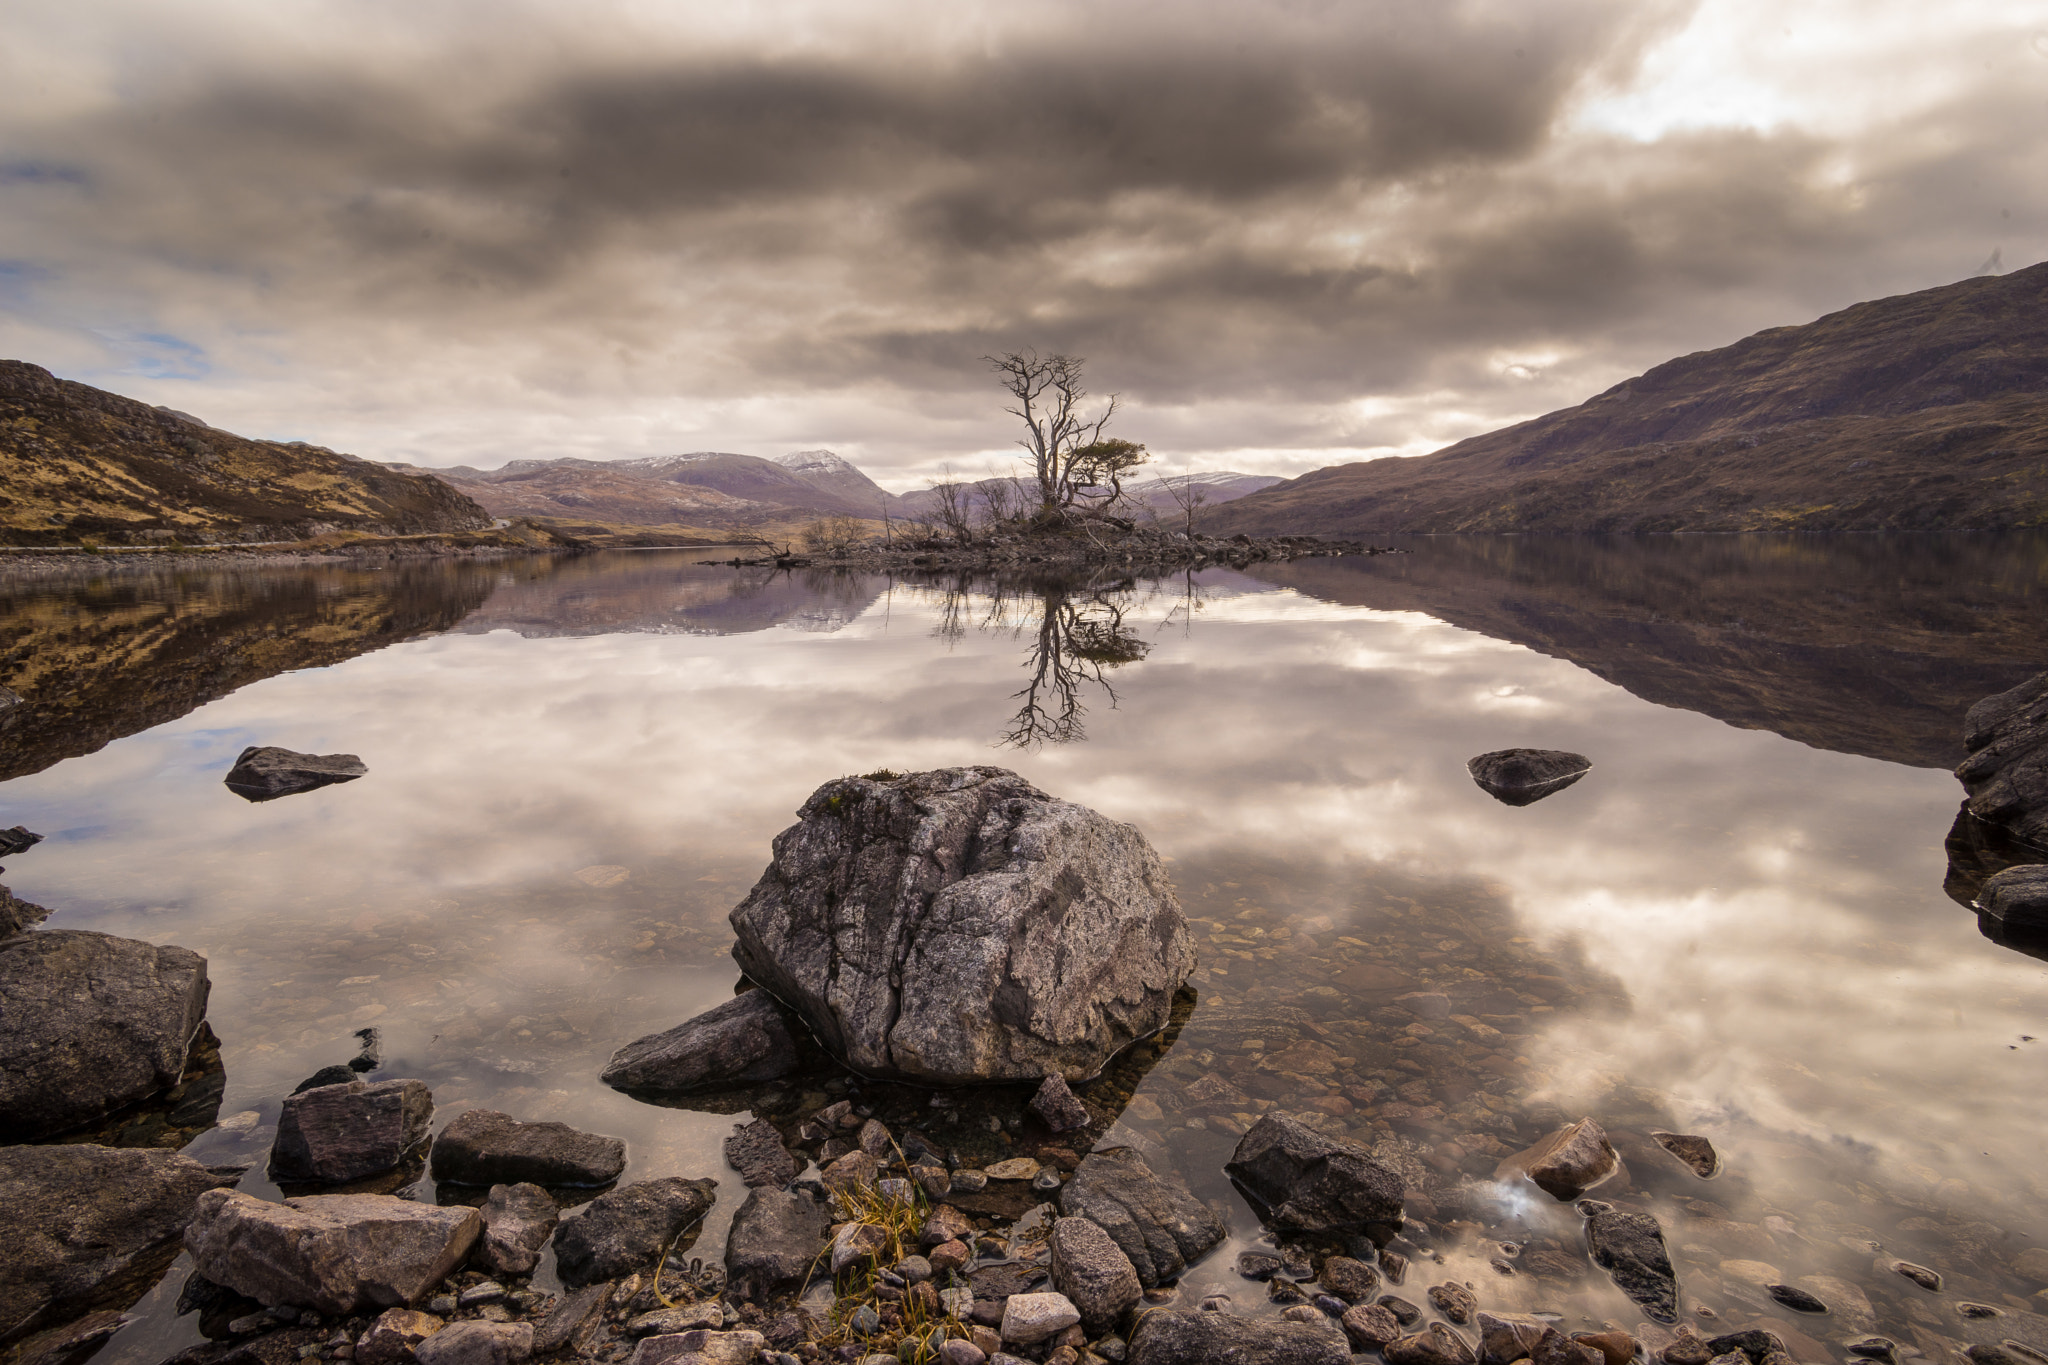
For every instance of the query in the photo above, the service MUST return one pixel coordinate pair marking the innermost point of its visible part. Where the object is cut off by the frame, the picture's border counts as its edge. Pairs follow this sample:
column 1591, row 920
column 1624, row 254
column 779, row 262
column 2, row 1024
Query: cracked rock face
column 960, row 925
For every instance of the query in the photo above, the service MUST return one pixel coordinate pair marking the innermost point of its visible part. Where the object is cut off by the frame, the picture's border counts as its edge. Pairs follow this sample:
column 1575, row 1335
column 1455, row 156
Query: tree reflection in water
column 1077, row 629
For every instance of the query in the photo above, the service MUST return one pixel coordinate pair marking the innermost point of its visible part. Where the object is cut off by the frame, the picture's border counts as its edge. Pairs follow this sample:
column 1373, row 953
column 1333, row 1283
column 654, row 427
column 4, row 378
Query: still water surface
column 1735, row 925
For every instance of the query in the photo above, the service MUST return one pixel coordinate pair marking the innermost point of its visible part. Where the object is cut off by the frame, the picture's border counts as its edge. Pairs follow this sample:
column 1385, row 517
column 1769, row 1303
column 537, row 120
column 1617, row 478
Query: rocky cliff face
column 1919, row 412
column 80, row 463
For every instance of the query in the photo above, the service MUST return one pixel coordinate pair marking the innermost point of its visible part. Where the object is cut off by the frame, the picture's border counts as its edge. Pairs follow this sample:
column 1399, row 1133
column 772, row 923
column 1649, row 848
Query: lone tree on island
column 1070, row 457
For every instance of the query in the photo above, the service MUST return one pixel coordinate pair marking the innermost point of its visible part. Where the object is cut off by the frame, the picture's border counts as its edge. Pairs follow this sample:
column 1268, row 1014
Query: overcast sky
column 1290, row 234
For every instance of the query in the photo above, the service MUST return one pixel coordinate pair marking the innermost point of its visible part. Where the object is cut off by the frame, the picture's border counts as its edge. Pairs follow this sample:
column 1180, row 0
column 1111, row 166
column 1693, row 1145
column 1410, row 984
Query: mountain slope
column 1921, row 411
column 78, row 462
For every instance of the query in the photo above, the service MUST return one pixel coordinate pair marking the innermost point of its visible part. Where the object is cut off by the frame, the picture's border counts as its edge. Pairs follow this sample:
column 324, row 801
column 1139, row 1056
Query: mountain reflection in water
column 1717, row 931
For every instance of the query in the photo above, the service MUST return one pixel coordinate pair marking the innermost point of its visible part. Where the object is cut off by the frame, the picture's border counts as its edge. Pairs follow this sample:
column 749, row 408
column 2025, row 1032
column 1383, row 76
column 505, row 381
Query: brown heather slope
column 1920, row 412
column 78, row 463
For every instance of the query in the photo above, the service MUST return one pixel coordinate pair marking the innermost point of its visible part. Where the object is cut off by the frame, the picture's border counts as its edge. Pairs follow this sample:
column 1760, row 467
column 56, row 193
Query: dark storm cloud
column 1243, row 207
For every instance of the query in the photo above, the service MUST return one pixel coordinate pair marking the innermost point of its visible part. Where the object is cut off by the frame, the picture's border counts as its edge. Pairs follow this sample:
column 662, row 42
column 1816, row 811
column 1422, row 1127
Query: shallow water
column 576, row 768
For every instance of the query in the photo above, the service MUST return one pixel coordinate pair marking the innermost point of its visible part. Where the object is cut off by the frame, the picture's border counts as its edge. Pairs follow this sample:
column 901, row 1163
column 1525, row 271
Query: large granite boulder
column 335, row 1133
column 266, row 773
column 1519, row 777
column 774, row 1243
column 626, row 1230
column 89, row 1227
column 333, row 1252
column 961, row 925
column 747, row 1039
column 1157, row 1223
column 2006, row 773
column 91, row 1023
column 18, row 916
column 1172, row 1336
column 485, row 1147
column 1305, row 1181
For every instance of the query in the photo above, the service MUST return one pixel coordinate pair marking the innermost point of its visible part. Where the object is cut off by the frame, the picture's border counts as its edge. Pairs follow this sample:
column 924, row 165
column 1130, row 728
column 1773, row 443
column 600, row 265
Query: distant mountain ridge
column 78, row 462
column 1923, row 411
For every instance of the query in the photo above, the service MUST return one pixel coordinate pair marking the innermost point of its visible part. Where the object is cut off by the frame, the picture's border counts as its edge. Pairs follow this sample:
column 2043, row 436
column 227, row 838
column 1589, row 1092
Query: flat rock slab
column 485, row 1147
column 755, row 1150
column 1306, row 1181
column 93, row 1023
column 86, row 1222
column 335, row 1133
column 775, row 1240
column 2016, row 898
column 1157, row 1223
column 1630, row 1248
column 1519, row 777
column 518, row 1220
column 748, row 1039
column 1169, row 1336
column 333, row 1252
column 266, row 773
column 960, row 925
column 2006, row 773
column 626, row 1230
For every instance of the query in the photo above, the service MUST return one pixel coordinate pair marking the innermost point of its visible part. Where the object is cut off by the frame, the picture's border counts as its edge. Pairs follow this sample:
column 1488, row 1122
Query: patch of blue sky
column 41, row 173
column 159, row 355
column 17, row 278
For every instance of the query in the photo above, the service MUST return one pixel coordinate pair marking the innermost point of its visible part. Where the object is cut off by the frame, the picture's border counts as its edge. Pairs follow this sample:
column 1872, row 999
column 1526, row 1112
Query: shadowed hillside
column 1919, row 412
column 80, row 463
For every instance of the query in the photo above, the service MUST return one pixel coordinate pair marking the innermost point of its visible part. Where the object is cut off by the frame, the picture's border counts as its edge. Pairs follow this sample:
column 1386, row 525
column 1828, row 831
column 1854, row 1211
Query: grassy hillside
column 1920, row 412
column 80, row 464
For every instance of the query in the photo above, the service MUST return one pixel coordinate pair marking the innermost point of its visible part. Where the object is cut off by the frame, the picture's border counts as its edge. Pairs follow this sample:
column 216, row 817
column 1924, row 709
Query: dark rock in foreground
column 17, row 840
column 2017, row 898
column 1158, row 1224
column 2006, row 774
column 93, row 1023
column 88, row 1226
column 518, row 1219
column 1519, row 777
column 1170, row 1336
column 775, row 1239
column 332, row 1252
column 265, row 773
column 755, row 1150
column 625, row 1231
column 1630, row 1248
column 1306, row 1181
column 961, row 925
column 745, row 1040
column 1058, row 1107
column 1566, row 1164
column 485, row 1147
column 18, row 916
column 337, row 1133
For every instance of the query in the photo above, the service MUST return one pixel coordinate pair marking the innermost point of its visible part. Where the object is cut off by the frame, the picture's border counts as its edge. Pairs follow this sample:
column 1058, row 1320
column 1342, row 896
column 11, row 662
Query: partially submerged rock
column 1058, row 1107
column 19, row 839
column 750, row 1038
column 485, row 1147
column 1169, row 1336
column 1566, row 1164
column 336, row 1133
column 1630, row 1248
column 961, row 925
column 2006, row 773
column 755, row 1150
column 332, row 1252
column 626, row 1230
column 89, row 1226
column 1695, row 1151
column 1157, row 1223
column 1306, row 1181
column 1518, row 777
column 18, row 916
column 518, row 1220
column 93, row 1023
column 775, row 1239
column 2016, row 898
column 265, row 773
